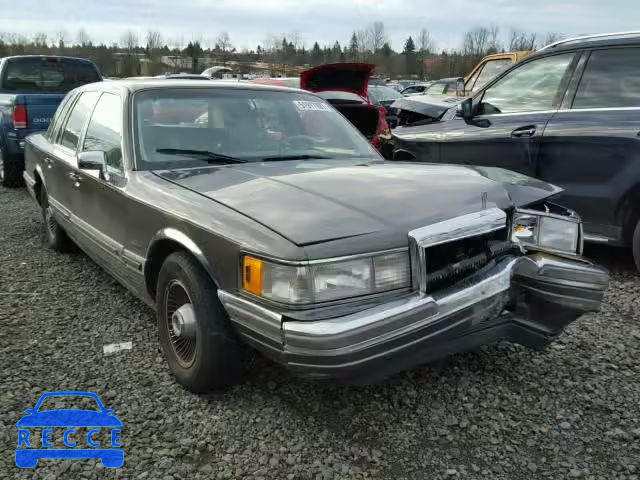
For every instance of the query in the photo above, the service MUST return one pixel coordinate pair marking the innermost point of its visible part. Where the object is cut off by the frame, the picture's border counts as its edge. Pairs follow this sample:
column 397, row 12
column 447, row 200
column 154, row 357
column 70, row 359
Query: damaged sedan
column 259, row 215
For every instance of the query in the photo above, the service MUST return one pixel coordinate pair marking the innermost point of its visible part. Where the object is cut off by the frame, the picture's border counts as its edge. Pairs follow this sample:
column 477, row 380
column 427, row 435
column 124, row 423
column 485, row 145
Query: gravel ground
column 501, row 413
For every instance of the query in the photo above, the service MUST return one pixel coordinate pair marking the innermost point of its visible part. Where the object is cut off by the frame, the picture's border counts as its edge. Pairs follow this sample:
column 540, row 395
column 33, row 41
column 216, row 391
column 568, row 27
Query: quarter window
column 58, row 118
column 105, row 130
column 77, row 120
column 610, row 80
column 531, row 87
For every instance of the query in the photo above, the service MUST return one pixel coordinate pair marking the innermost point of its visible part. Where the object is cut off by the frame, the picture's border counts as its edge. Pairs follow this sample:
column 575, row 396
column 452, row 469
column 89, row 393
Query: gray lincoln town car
column 259, row 215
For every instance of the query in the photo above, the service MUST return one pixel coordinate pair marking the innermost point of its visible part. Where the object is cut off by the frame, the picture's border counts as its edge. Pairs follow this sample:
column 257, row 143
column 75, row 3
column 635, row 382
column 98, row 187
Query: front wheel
column 636, row 246
column 198, row 342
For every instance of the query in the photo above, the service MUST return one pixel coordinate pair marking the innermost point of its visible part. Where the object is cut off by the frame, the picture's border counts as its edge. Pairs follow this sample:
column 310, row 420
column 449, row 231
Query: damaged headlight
column 548, row 231
column 325, row 281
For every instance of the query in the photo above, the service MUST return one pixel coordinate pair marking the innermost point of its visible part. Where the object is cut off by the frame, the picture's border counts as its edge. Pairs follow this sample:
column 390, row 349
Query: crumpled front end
column 471, row 285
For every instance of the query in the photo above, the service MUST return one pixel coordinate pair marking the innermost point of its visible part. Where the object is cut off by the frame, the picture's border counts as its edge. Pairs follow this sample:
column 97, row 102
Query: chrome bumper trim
column 525, row 298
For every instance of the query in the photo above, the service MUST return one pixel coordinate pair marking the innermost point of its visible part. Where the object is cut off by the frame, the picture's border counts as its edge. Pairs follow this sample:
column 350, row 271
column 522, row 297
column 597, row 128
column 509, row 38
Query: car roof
column 593, row 41
column 134, row 85
column 62, row 57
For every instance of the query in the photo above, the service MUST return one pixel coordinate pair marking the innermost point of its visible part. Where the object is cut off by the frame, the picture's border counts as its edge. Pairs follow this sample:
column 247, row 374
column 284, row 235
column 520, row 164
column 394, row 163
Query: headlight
column 325, row 281
column 547, row 231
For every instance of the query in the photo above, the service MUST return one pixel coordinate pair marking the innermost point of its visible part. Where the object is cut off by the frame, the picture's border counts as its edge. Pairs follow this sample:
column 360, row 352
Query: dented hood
column 433, row 106
column 346, row 77
column 310, row 202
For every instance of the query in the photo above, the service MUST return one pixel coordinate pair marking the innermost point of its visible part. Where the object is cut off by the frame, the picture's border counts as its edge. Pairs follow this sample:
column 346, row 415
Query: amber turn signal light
column 252, row 275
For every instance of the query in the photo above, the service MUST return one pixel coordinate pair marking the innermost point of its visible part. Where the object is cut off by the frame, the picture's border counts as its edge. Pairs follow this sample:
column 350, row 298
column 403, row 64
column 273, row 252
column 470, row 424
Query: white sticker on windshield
column 306, row 106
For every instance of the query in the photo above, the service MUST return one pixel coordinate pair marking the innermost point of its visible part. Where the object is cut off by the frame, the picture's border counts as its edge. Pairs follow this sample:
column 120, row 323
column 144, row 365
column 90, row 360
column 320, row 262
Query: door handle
column 75, row 178
column 528, row 131
column 48, row 162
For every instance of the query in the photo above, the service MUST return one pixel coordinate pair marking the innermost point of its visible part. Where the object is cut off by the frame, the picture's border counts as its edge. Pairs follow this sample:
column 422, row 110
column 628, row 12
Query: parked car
column 416, row 88
column 383, row 96
column 31, row 88
column 488, row 68
column 345, row 86
column 570, row 115
column 277, row 224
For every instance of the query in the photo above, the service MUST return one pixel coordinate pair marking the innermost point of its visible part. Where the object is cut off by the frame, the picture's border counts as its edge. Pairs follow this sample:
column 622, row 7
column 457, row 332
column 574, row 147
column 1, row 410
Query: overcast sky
column 249, row 22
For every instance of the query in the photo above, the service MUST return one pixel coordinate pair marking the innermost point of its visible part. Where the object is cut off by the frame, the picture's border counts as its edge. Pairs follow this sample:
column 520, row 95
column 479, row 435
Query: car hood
column 310, row 202
column 429, row 105
column 349, row 77
column 69, row 418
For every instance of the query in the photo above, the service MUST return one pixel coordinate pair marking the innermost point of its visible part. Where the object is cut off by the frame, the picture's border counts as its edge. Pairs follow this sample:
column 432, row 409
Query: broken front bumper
column 525, row 299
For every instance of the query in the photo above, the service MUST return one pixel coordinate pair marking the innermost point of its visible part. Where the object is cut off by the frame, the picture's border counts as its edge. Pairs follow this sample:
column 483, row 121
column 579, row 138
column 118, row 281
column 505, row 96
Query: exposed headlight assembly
column 324, row 281
column 548, row 231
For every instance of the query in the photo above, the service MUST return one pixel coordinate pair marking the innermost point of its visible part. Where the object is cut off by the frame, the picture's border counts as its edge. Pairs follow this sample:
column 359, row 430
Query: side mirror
column 460, row 87
column 465, row 110
column 94, row 160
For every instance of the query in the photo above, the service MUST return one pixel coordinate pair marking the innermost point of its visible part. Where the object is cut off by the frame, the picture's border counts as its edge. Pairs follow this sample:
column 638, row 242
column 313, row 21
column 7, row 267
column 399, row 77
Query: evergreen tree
column 316, row 55
column 354, row 48
column 409, row 53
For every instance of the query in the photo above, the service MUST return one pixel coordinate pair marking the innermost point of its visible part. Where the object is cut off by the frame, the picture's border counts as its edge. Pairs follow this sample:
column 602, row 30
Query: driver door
column 511, row 115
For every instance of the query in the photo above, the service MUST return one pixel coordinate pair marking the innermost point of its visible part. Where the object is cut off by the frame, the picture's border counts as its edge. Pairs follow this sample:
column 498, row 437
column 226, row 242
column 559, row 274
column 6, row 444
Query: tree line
column 419, row 57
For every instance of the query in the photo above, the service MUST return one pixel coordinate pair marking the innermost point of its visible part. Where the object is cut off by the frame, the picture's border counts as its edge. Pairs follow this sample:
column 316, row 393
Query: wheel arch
column 404, row 155
column 628, row 212
column 164, row 243
column 38, row 176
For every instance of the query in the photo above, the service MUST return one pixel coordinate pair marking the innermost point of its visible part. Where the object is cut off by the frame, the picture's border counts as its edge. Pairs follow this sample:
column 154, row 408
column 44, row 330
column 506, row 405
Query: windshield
column 187, row 127
column 383, row 94
column 47, row 74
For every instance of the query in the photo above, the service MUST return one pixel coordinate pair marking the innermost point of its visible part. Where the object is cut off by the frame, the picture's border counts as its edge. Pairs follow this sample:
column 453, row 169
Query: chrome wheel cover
column 180, row 322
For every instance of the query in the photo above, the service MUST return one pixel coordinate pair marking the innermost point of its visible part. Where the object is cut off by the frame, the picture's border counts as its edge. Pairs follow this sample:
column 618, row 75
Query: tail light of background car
column 383, row 131
column 20, row 116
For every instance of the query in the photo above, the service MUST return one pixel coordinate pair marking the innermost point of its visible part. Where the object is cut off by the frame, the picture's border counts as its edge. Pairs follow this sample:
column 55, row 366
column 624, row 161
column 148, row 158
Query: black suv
column 569, row 115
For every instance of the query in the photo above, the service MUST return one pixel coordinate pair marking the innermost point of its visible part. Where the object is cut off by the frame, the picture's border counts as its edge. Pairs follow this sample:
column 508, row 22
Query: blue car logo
column 103, row 429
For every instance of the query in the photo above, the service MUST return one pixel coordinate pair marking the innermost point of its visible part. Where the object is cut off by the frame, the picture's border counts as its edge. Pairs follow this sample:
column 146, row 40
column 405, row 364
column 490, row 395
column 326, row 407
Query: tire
column 56, row 237
column 10, row 174
column 197, row 340
column 636, row 246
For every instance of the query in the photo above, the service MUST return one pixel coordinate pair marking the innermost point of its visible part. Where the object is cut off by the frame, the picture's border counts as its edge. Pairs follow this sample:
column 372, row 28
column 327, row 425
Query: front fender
column 163, row 243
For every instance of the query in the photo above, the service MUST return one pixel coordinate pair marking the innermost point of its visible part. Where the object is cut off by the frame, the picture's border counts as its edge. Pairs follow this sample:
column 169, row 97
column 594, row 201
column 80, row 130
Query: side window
column 610, row 80
column 105, row 130
column 77, row 120
column 58, row 118
column 530, row 87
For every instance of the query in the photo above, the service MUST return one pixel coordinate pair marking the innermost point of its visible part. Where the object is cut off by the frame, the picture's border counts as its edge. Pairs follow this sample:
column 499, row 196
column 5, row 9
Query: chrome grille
column 445, row 252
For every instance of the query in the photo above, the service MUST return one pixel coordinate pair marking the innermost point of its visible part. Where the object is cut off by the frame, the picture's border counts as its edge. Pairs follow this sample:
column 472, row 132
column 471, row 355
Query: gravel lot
column 501, row 413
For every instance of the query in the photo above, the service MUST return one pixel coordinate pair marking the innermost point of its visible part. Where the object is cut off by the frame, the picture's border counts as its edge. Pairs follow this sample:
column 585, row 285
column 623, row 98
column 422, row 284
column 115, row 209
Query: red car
column 344, row 85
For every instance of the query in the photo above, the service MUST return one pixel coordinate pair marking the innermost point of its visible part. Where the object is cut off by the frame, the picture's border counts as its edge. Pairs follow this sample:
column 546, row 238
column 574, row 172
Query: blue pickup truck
column 31, row 88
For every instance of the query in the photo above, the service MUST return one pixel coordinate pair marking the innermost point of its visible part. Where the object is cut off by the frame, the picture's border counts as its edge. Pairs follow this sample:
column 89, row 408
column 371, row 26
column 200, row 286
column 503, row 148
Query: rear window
column 42, row 74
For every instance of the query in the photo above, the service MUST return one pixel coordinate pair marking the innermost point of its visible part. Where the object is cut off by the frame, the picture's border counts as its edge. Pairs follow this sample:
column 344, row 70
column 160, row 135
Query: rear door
column 59, row 164
column 512, row 114
column 591, row 147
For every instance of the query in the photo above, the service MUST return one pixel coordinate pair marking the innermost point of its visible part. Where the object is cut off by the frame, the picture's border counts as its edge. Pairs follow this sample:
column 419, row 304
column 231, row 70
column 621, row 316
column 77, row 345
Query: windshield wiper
column 295, row 157
column 209, row 157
